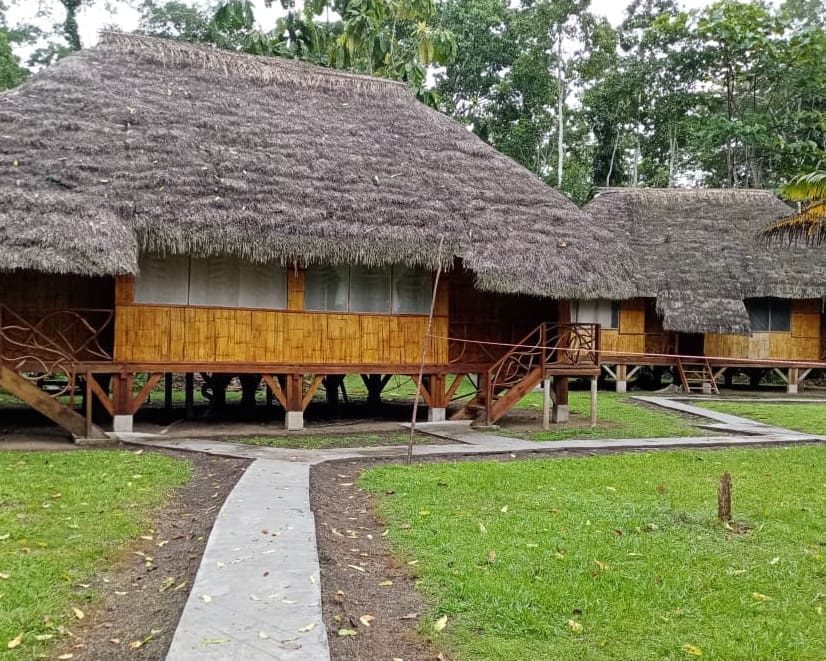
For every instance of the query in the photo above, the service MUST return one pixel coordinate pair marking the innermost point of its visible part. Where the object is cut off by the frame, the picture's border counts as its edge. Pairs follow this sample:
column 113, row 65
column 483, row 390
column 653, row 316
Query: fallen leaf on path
column 357, row 568
column 79, row 614
column 44, row 636
column 4, row 576
column 604, row 566
column 385, row 583
column 503, row 509
column 692, row 650
column 206, row 598
column 760, row 597
column 348, row 632
column 263, row 635
column 14, row 642
column 440, row 624
column 309, row 627
column 63, row 657
column 206, row 642
column 366, row 620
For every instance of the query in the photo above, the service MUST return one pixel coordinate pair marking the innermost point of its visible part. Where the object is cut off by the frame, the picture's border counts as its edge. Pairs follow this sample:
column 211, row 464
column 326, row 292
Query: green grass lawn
column 323, row 442
column 808, row 418
column 63, row 517
column 618, row 417
column 616, row 556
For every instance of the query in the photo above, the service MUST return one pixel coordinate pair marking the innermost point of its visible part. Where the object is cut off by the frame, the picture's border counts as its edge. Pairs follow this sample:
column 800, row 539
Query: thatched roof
column 142, row 143
column 700, row 253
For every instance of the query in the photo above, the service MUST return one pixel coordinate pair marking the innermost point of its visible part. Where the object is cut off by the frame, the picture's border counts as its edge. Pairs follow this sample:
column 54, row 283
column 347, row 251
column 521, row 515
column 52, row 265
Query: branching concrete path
column 257, row 594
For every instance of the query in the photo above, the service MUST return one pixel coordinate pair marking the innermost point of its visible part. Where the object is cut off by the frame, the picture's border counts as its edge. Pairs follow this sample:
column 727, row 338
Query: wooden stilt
column 189, row 395
column 167, row 390
column 546, row 403
column 593, row 401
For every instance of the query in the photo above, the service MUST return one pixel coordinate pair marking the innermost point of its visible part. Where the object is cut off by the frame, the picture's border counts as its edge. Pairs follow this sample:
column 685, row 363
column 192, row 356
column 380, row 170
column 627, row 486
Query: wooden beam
column 151, row 382
column 275, row 389
column 454, row 386
column 189, row 395
column 102, row 396
column 422, row 390
column 308, row 396
column 58, row 413
column 167, row 390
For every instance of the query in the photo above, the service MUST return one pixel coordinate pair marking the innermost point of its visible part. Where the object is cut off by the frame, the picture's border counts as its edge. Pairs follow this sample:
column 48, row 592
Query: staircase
column 697, row 376
column 558, row 349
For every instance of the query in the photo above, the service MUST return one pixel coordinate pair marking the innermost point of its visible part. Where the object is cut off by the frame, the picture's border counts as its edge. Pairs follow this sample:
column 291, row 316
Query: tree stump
column 724, row 498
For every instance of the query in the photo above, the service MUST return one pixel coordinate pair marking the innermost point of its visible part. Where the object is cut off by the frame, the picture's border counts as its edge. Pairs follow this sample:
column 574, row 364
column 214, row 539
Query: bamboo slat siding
column 801, row 343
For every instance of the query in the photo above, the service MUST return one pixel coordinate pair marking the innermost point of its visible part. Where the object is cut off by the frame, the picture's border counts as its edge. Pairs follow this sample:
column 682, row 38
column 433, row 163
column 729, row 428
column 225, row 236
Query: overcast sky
column 91, row 20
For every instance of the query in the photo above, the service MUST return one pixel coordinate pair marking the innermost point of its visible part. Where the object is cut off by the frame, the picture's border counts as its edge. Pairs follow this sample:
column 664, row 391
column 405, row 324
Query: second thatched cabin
column 708, row 288
column 169, row 208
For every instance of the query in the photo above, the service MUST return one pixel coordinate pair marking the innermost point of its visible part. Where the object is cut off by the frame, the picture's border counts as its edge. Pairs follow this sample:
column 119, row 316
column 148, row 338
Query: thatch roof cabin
column 700, row 255
column 142, row 144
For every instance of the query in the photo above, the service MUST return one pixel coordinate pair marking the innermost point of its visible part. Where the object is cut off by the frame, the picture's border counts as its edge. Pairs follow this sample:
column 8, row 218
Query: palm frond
column 808, row 226
column 806, row 187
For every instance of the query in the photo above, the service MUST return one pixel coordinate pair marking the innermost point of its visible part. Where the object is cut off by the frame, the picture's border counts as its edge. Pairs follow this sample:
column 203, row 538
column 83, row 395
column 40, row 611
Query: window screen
column 370, row 290
column 603, row 312
column 412, row 290
column 769, row 314
column 326, row 288
column 162, row 279
column 229, row 282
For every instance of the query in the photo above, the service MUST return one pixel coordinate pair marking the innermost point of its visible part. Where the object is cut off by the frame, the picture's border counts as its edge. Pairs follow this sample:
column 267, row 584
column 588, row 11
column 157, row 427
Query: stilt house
column 169, row 208
column 708, row 289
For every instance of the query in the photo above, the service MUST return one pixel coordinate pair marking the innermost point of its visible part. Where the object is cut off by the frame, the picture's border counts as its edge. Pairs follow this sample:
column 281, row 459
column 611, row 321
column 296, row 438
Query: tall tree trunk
column 70, row 27
column 560, row 109
column 672, row 154
column 613, row 156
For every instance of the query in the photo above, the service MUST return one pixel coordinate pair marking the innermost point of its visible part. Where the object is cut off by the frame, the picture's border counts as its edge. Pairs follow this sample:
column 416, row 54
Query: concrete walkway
column 257, row 594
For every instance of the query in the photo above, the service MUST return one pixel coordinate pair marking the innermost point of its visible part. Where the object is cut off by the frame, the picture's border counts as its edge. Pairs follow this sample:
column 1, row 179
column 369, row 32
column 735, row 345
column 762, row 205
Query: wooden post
column 560, row 412
column 593, row 401
column 622, row 378
column 189, row 395
column 122, row 403
column 793, row 380
column 437, row 410
column 546, row 403
column 167, row 390
column 294, row 396
column 724, row 498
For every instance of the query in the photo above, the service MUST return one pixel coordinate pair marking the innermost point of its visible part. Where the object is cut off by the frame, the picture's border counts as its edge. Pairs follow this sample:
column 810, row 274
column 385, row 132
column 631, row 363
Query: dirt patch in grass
column 141, row 599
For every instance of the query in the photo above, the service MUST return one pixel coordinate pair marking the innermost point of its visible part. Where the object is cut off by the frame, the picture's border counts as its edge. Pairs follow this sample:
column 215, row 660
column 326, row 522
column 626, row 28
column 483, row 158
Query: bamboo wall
column 801, row 343
column 166, row 333
column 629, row 338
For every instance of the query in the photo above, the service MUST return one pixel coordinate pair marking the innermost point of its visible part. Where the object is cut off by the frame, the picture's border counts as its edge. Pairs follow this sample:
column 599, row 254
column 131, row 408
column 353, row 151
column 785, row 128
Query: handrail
column 54, row 343
column 567, row 343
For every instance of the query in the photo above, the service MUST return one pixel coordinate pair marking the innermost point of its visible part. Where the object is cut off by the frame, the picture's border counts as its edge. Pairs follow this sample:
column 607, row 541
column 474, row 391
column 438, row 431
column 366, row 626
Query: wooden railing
column 569, row 344
column 54, row 344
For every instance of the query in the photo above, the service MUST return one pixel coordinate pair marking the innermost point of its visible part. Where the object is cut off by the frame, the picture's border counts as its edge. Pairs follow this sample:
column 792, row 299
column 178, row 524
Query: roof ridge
column 261, row 68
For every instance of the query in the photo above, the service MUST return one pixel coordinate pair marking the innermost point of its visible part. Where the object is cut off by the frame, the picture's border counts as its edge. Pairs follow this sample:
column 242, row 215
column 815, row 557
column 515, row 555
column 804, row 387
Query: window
column 396, row 290
column 326, row 288
column 769, row 314
column 370, row 290
column 163, row 279
column 211, row 282
column 600, row 311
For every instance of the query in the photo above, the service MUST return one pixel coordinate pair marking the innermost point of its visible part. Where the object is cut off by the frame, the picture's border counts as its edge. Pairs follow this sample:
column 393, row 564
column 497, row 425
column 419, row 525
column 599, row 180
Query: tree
column 11, row 73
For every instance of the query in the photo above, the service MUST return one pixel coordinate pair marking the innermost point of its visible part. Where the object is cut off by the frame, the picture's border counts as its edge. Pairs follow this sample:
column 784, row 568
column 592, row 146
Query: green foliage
column 65, row 516
column 616, row 556
column 11, row 73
